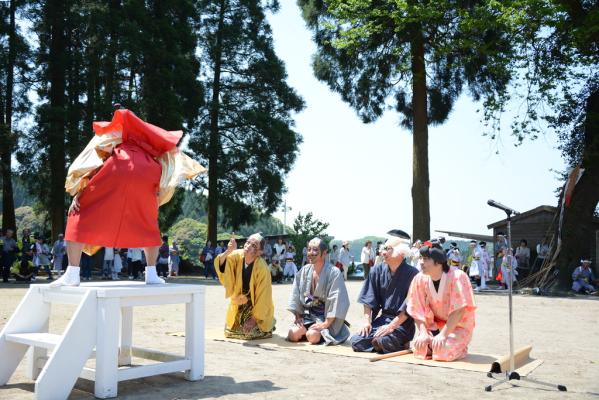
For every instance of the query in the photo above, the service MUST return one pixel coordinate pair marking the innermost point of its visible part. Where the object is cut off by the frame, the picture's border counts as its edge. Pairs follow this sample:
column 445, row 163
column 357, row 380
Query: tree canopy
column 159, row 59
column 415, row 57
column 245, row 134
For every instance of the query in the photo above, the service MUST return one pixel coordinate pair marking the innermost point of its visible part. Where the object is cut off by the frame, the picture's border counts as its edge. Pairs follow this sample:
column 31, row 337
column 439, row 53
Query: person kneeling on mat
column 441, row 301
column 387, row 328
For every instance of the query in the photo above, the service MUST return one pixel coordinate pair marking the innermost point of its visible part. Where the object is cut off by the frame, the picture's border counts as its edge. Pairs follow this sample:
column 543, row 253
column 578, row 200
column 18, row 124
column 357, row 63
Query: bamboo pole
column 390, row 355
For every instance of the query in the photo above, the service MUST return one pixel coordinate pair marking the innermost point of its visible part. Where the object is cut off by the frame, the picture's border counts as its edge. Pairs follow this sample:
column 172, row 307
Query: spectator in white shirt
column 367, row 258
column 134, row 254
column 523, row 255
column 280, row 249
column 344, row 258
column 334, row 255
column 108, row 267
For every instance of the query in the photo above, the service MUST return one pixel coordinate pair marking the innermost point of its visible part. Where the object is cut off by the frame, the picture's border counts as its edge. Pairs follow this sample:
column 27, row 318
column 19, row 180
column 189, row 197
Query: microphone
column 508, row 210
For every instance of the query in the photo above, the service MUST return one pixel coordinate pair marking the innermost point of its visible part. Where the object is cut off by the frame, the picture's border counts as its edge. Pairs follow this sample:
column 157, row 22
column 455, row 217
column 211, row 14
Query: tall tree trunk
column 92, row 71
column 56, row 135
column 420, row 181
column 110, row 69
column 131, row 85
column 153, row 65
column 8, row 204
column 578, row 235
column 214, row 144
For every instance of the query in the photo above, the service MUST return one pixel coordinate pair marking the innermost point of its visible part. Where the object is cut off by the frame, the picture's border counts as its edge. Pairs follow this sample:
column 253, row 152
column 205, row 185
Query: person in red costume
column 120, row 179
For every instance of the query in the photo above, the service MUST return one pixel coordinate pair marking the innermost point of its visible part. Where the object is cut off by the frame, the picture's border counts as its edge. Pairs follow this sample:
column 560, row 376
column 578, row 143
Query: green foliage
column 365, row 52
column 265, row 224
column 171, row 94
column 21, row 195
column 140, row 54
column 246, row 133
column 561, row 60
column 414, row 56
column 190, row 236
column 156, row 58
column 28, row 218
column 194, row 207
column 169, row 213
column 309, row 225
column 305, row 228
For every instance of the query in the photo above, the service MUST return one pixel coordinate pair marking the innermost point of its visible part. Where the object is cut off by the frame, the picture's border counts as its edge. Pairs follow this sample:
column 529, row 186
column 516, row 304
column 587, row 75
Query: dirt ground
column 562, row 331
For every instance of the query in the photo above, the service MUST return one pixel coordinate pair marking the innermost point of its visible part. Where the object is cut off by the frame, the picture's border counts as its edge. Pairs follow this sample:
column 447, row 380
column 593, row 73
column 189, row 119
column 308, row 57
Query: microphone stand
column 512, row 374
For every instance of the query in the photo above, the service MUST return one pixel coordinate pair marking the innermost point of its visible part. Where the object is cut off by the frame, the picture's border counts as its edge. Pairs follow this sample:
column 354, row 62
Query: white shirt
column 344, row 257
column 108, row 253
column 542, row 250
column 523, row 254
column 134, row 254
column 334, row 256
column 41, row 254
column 485, row 257
column 118, row 263
column 366, row 255
column 279, row 248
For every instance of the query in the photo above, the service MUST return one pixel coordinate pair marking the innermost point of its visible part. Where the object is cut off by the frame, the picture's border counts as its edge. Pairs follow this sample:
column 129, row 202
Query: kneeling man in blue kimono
column 387, row 327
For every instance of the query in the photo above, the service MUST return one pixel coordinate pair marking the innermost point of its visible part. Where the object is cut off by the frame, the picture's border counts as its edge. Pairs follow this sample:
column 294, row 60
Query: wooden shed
column 535, row 225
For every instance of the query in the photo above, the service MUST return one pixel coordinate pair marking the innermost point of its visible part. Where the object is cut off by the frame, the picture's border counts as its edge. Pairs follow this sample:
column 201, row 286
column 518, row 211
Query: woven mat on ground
column 472, row 362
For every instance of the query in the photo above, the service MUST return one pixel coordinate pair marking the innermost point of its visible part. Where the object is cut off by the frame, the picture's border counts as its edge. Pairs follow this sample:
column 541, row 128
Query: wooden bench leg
column 107, row 345
column 126, row 336
column 194, row 337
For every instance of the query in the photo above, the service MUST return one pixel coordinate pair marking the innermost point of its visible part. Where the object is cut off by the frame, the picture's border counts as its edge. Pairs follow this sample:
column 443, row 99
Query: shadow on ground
column 170, row 386
column 174, row 386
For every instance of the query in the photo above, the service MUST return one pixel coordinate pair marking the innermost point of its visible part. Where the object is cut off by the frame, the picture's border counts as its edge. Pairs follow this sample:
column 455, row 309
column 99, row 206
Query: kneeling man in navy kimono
column 387, row 327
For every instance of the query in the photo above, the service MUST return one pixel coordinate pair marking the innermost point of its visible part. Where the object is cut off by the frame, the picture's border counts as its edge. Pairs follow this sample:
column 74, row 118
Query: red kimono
column 119, row 205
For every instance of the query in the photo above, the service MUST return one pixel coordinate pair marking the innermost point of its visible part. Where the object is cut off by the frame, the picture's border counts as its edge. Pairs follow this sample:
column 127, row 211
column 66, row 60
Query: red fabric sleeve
column 152, row 138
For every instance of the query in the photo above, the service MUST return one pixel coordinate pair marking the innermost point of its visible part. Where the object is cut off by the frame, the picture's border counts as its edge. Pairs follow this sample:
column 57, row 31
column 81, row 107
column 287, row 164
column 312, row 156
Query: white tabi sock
column 152, row 277
column 69, row 278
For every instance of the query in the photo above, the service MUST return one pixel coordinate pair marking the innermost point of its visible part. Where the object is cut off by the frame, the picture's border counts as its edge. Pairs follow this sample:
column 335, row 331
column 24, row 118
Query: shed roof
column 465, row 235
column 526, row 214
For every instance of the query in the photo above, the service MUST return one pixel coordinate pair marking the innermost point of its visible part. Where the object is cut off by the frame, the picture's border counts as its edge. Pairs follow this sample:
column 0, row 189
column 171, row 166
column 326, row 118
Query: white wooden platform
column 102, row 328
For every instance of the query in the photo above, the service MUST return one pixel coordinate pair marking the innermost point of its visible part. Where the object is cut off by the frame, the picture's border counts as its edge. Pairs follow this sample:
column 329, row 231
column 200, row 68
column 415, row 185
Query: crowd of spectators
column 30, row 257
column 25, row 258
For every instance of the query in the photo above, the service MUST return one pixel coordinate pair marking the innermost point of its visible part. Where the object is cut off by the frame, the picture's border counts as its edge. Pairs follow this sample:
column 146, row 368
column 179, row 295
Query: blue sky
column 358, row 177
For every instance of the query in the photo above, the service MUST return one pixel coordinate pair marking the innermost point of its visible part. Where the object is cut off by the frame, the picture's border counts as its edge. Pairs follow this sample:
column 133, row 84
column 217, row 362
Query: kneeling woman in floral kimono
column 441, row 302
column 319, row 300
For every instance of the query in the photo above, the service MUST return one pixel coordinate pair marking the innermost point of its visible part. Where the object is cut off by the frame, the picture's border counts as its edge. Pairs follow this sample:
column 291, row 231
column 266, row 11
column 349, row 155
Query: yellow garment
column 176, row 166
column 263, row 309
column 91, row 158
column 90, row 249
